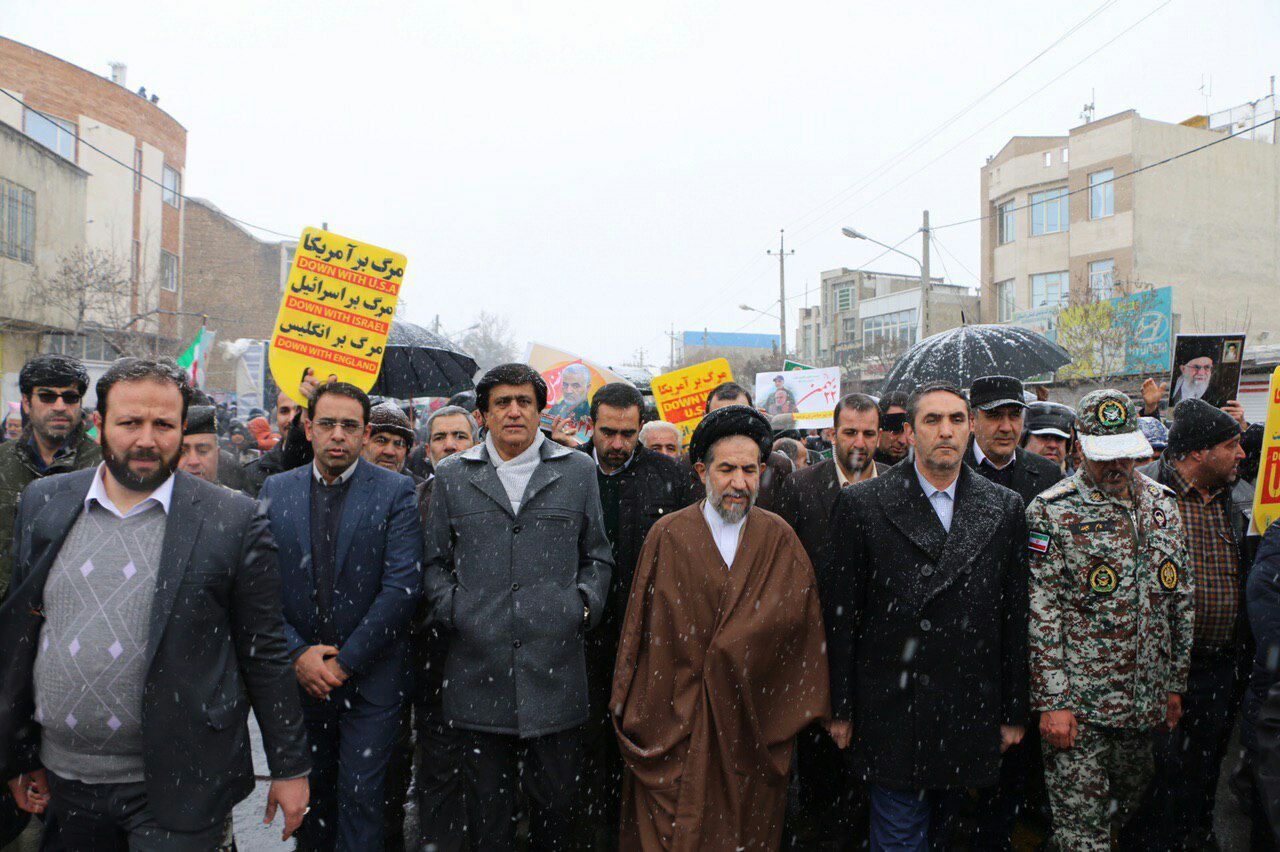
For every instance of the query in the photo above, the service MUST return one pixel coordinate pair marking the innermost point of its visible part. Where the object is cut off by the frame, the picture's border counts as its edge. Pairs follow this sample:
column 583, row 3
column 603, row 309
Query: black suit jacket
column 928, row 647
column 216, row 647
column 807, row 500
column 1031, row 473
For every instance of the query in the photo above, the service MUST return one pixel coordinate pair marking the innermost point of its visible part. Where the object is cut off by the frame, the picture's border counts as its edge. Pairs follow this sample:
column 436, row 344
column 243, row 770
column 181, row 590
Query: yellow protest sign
column 681, row 395
column 336, row 312
column 1266, row 499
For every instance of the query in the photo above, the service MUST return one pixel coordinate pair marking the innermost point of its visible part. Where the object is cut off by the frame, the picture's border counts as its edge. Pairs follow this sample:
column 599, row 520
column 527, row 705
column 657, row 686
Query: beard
column 119, row 467
column 730, row 515
column 856, row 460
column 1192, row 388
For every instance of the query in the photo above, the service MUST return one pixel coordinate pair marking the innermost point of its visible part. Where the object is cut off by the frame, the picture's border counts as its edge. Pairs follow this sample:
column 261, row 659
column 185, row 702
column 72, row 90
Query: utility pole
column 671, row 360
column 925, row 280
column 782, row 288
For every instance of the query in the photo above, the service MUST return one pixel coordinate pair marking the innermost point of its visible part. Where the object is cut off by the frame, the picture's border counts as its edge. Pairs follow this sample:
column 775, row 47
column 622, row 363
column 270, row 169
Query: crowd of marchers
column 976, row 620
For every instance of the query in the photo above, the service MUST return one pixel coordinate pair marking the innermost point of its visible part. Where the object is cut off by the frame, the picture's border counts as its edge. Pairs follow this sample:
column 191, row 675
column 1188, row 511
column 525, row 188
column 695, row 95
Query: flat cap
column 989, row 392
column 1050, row 418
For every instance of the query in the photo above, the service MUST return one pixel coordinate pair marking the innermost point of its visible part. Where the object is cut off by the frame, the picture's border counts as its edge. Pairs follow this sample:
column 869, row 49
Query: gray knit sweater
column 90, row 667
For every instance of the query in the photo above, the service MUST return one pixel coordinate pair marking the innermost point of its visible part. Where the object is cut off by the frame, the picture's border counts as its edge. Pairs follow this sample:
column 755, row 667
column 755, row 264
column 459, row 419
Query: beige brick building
column 865, row 319
column 234, row 279
column 1066, row 226
column 133, row 222
column 42, row 214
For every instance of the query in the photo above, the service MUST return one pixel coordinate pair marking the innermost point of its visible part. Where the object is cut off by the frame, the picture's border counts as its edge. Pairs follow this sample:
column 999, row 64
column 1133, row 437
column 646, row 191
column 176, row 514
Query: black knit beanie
column 1197, row 425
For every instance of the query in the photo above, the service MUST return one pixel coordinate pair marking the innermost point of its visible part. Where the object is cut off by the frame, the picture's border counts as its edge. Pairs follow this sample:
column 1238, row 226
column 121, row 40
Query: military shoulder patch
column 1058, row 490
column 1103, row 580
column 1038, row 541
column 1168, row 575
column 1159, row 517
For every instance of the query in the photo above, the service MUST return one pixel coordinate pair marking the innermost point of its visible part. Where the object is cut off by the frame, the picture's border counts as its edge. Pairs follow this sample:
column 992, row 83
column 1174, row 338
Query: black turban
column 201, row 420
column 726, row 422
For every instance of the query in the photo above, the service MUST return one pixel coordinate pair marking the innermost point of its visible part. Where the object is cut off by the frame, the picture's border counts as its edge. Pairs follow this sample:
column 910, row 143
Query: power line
column 1130, row 173
column 865, row 180
column 937, row 242
column 139, row 174
column 1094, row 53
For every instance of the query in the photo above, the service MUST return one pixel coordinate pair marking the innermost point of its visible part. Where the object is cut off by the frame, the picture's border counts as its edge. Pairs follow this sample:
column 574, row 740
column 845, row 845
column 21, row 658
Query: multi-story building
column 42, row 215
column 133, row 155
column 865, row 319
column 1068, row 224
column 223, row 258
column 738, row 347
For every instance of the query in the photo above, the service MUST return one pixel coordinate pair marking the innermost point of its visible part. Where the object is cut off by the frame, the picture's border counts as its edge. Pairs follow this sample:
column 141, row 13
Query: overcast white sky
column 599, row 171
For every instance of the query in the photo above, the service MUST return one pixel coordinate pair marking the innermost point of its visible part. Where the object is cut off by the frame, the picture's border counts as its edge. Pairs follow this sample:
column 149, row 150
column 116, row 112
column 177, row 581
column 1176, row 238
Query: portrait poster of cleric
column 1207, row 367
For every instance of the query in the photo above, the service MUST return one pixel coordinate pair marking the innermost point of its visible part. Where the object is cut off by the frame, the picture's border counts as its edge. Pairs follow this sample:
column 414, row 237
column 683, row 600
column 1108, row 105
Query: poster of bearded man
column 1206, row 366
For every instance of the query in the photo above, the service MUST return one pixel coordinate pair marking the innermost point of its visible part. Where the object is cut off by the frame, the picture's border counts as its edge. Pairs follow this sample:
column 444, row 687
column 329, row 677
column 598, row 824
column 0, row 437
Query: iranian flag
column 193, row 359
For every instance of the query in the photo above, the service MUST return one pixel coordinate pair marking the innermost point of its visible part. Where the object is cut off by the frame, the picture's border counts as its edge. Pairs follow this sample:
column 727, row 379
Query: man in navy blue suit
column 350, row 552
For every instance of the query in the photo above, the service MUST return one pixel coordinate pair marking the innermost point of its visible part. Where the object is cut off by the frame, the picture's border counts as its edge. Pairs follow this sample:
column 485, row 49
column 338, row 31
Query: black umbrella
column 963, row 354
column 418, row 362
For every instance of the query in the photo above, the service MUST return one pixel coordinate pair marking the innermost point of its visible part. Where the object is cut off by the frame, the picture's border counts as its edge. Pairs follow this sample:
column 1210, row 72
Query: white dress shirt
column 982, row 458
column 723, row 533
column 98, row 494
column 342, row 477
column 943, row 501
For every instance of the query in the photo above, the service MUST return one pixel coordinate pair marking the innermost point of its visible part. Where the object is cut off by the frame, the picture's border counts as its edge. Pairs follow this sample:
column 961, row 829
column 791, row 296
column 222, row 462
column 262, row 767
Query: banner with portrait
column 809, row 396
column 571, row 382
column 1206, row 366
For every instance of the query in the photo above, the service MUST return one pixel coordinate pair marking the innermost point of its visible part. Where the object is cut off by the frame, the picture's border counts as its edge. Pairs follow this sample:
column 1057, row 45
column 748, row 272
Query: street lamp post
column 925, row 280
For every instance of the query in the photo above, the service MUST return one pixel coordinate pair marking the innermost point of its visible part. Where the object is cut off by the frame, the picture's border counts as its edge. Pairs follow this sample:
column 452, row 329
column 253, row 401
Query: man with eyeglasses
column 350, row 576
column 52, row 440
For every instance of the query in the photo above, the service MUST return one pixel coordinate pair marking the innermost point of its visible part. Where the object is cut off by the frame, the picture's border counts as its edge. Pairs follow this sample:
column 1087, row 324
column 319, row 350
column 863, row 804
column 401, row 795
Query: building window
column 889, row 331
column 1049, row 211
column 1049, row 290
column 844, row 299
column 1006, row 300
column 1048, row 159
column 1102, row 279
column 137, row 169
column 1006, row 223
column 1102, row 196
column 56, row 134
column 17, row 222
column 1065, row 156
column 168, row 272
column 172, row 187
column 849, row 329
column 90, row 347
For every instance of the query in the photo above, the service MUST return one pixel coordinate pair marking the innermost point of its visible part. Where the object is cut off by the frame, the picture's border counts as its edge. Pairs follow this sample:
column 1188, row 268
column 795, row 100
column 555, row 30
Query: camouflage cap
column 1107, row 424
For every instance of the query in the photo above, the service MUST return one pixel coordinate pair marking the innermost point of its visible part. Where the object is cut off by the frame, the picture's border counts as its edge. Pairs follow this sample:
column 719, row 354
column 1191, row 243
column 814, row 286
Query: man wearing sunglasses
column 893, row 434
column 52, row 439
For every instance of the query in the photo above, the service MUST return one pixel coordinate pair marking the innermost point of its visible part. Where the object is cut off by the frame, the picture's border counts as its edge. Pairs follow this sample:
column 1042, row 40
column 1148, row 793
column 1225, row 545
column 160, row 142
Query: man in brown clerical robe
column 722, row 659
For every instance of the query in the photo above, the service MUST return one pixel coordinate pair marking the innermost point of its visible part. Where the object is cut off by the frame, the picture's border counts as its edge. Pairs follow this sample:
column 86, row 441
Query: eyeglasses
column 382, row 440
column 328, row 424
column 49, row 397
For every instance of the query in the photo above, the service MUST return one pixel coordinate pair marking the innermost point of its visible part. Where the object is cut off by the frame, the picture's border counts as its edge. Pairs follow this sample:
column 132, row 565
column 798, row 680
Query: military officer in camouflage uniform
column 1110, row 625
